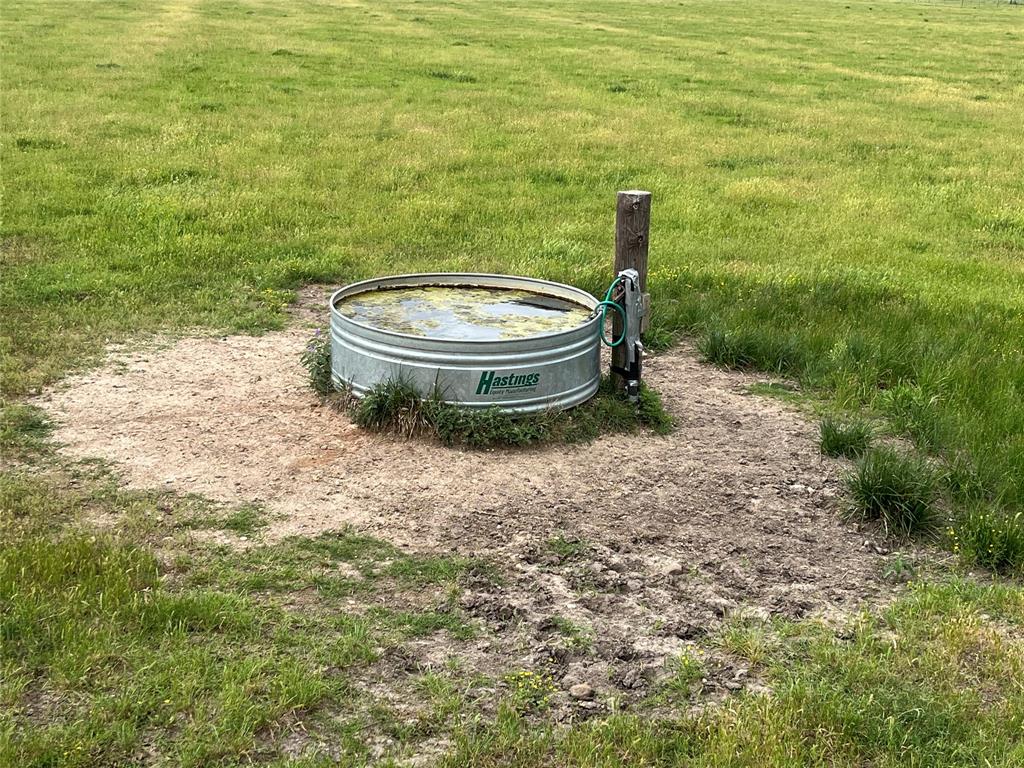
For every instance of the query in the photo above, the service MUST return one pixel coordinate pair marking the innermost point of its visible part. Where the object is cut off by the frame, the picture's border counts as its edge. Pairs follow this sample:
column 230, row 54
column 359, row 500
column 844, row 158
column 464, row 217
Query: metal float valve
column 632, row 303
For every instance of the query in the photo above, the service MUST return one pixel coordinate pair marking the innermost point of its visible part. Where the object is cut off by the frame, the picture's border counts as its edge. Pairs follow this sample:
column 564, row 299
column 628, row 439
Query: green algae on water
column 463, row 312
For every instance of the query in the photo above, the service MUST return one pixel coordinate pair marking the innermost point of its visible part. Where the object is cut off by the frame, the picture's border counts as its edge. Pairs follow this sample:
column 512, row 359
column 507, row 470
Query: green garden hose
column 604, row 311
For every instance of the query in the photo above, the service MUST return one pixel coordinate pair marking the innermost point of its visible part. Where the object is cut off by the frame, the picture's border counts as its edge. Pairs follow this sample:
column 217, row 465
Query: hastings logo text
column 490, row 382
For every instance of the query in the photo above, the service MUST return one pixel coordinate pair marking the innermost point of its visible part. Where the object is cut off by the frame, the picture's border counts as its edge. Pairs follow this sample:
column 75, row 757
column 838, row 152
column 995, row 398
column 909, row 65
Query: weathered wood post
column 632, row 230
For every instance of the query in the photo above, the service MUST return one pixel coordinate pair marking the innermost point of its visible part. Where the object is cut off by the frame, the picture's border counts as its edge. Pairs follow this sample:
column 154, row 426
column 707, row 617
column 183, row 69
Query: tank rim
column 586, row 300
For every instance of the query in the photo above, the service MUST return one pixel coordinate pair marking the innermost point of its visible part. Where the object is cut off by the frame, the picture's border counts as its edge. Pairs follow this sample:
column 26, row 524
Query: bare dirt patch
column 646, row 543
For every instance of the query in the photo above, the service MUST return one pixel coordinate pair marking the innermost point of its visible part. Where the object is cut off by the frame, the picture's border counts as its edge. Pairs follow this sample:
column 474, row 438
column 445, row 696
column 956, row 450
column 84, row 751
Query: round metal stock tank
column 473, row 340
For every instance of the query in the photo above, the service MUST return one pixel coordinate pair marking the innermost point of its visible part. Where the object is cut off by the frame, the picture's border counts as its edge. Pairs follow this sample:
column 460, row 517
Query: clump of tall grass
column 850, row 438
column 899, row 490
column 393, row 406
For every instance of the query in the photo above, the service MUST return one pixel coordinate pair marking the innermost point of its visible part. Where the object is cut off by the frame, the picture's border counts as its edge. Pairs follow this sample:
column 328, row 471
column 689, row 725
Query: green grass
column 312, row 564
column 982, row 537
column 749, row 349
column 121, row 658
column 845, row 438
column 932, row 682
column 836, row 199
column 23, row 430
column 830, row 204
column 897, row 489
column 111, row 652
column 747, row 639
column 685, row 672
column 316, row 359
column 396, row 407
column 244, row 520
column 575, row 637
column 568, row 548
column 529, row 691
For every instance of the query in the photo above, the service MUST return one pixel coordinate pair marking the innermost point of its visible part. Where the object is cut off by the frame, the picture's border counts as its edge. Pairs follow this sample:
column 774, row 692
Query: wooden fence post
column 632, row 231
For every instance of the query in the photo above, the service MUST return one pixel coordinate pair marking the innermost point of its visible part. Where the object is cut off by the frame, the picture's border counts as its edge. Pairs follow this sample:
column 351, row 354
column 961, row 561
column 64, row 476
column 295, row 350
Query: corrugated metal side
column 544, row 372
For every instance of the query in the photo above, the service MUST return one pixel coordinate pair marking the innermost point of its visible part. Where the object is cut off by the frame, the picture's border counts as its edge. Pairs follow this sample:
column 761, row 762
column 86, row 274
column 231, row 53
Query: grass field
column 838, row 196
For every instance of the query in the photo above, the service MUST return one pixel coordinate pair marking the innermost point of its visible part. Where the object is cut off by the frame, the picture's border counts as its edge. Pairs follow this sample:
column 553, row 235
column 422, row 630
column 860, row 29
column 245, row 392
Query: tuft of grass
column 316, row 359
column 568, row 548
column 455, row 77
column 413, row 624
column 964, row 481
column 779, row 389
column 393, row 406
column 989, row 538
column 899, row 569
column 608, row 412
column 576, row 636
column 245, row 520
column 845, row 438
column 897, row 489
column 481, row 428
column 750, row 640
column 650, row 411
column 446, row 698
column 28, row 142
column 913, row 411
column 685, row 672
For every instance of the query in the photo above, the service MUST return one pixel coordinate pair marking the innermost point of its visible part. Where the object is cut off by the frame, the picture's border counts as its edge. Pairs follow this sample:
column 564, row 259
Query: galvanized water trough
column 474, row 340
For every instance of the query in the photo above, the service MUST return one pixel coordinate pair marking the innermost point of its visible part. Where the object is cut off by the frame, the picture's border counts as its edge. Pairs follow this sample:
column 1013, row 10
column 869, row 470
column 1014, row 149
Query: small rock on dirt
column 582, row 691
column 671, row 568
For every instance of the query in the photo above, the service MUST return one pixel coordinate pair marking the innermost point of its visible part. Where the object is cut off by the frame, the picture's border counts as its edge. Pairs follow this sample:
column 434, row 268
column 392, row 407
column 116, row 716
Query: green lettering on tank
column 490, row 382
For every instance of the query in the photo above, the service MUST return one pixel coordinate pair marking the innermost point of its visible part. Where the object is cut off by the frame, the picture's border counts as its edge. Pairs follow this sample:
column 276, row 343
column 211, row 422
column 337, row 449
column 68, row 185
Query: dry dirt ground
column 735, row 512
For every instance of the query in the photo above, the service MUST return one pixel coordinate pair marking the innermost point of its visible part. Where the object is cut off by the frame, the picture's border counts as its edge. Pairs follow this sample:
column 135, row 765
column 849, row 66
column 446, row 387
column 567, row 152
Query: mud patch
column 643, row 544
